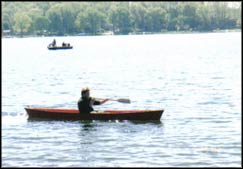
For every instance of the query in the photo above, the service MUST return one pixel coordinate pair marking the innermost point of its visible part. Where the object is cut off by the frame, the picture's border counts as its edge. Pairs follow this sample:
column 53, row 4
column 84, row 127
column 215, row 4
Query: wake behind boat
column 73, row 114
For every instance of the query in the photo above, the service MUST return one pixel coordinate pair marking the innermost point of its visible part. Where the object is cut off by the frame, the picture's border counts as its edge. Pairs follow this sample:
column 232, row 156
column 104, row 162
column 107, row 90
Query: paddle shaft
column 120, row 100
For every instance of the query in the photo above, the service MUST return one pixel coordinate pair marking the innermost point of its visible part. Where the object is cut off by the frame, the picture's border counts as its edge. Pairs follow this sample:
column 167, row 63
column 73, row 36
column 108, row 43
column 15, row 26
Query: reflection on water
column 156, row 122
column 87, row 125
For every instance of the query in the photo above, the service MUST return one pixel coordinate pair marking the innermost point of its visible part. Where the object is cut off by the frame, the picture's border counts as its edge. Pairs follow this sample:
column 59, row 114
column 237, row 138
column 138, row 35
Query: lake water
column 195, row 78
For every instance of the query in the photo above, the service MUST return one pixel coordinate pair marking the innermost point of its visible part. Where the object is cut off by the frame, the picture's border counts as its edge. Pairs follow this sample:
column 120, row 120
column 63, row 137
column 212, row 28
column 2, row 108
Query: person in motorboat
column 85, row 103
column 54, row 43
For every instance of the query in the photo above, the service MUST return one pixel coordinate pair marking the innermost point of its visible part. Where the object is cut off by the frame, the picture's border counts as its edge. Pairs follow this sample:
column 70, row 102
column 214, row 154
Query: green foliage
column 155, row 20
column 204, row 18
column 22, row 23
column 120, row 19
column 41, row 24
column 63, row 18
column 190, row 18
column 90, row 21
column 55, row 18
column 138, row 17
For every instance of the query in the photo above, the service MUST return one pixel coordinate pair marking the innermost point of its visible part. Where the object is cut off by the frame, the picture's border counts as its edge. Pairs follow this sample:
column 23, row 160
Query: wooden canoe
column 73, row 114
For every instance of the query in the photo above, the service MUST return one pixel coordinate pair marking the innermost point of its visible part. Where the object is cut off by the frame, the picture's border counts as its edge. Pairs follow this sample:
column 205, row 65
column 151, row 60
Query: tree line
column 93, row 18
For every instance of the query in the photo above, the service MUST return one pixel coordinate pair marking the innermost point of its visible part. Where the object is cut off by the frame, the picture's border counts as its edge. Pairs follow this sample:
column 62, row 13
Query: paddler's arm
column 103, row 101
column 98, row 102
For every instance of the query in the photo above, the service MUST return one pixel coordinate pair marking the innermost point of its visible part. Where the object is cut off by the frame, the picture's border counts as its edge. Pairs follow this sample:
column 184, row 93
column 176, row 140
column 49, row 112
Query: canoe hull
column 73, row 114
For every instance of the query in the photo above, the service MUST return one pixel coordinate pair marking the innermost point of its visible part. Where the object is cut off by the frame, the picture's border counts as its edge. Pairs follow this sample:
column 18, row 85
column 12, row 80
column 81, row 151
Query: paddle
column 119, row 100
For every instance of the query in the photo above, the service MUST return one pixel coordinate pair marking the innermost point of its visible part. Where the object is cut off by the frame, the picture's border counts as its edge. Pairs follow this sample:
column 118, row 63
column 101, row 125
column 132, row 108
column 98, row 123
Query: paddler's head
column 85, row 92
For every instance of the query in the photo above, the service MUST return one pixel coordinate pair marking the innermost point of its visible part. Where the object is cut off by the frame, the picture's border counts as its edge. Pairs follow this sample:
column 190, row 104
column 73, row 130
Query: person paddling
column 85, row 103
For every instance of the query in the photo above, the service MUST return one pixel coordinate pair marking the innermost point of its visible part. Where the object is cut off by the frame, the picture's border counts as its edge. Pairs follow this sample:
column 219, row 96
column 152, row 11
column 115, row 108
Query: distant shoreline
column 135, row 33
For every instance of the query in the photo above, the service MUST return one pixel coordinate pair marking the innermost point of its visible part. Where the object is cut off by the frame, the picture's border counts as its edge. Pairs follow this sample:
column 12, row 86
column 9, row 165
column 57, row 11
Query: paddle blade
column 124, row 100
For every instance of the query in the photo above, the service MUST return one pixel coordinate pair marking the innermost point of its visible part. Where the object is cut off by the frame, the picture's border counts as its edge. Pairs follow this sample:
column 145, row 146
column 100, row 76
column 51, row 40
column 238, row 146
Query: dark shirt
column 84, row 105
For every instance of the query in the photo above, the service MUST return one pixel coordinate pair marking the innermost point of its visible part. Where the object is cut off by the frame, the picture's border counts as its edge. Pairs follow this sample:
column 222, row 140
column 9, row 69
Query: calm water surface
column 196, row 78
